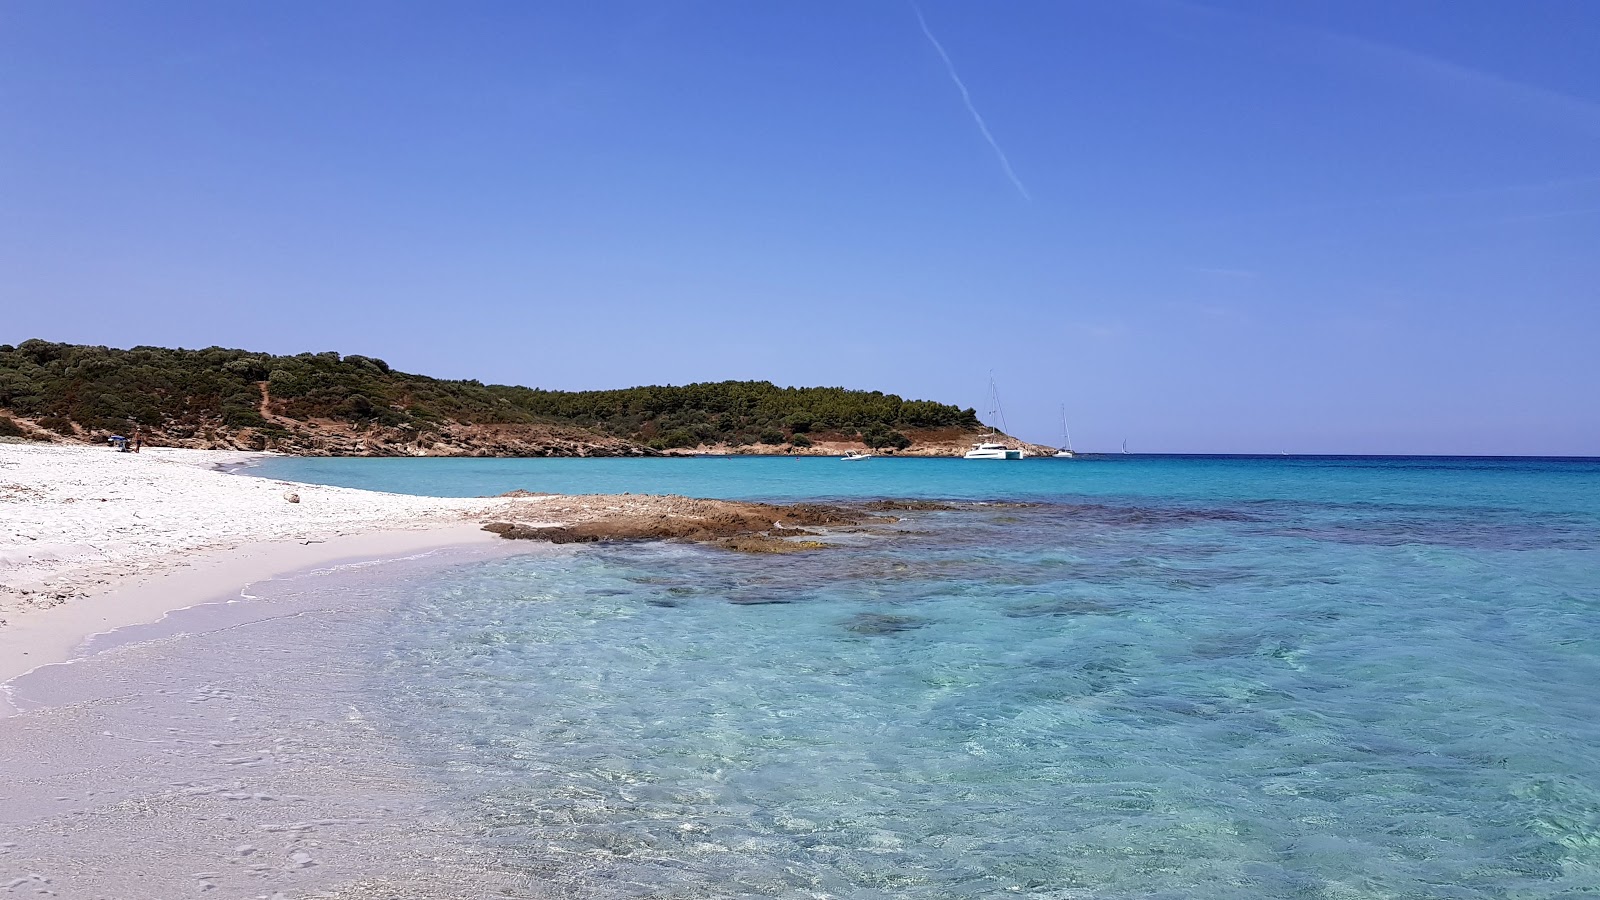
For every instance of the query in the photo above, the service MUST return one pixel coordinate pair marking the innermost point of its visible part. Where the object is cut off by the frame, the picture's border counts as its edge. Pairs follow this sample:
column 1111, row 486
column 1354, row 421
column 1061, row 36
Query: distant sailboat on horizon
column 1124, row 446
column 1066, row 435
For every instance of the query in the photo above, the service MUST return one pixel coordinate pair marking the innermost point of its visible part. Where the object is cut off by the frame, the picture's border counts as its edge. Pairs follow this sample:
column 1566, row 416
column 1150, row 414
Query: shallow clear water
column 1163, row 678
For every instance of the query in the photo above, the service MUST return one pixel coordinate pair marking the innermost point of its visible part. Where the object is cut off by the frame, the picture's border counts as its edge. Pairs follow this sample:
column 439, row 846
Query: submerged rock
column 908, row 506
column 882, row 623
column 555, row 534
column 764, row 544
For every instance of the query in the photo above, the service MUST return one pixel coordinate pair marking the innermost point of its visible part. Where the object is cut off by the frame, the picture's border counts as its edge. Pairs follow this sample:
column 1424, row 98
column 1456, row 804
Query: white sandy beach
column 92, row 540
column 73, row 517
column 248, row 789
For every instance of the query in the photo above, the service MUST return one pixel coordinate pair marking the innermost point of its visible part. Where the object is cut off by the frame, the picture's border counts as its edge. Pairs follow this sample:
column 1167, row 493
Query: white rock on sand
column 75, row 517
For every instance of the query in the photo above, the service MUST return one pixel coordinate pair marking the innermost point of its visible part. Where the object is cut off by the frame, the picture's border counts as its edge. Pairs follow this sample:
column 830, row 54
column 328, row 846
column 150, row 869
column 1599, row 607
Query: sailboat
column 1066, row 435
column 993, row 449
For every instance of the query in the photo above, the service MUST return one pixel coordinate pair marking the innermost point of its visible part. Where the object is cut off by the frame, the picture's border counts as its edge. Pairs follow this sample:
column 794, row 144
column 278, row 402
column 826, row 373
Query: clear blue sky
column 1203, row 226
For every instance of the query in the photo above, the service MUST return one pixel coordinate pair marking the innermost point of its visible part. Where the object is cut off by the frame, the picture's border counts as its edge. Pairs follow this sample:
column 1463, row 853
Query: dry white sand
column 74, row 516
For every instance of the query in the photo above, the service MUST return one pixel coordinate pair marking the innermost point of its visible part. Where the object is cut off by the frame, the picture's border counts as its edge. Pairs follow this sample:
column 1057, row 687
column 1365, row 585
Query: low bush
column 878, row 440
column 59, row 424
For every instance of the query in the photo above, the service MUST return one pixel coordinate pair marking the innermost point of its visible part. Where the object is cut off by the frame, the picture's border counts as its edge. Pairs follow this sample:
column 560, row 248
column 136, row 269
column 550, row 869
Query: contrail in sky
column 967, row 99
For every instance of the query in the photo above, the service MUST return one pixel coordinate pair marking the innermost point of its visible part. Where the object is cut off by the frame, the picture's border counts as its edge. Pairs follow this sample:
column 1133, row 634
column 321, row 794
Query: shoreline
column 141, row 707
column 238, row 748
column 76, row 519
column 654, row 721
column 58, row 634
column 92, row 541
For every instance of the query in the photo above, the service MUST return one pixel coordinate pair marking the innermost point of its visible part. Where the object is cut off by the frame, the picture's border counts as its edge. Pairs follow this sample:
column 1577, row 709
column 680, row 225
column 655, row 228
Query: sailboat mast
column 996, row 411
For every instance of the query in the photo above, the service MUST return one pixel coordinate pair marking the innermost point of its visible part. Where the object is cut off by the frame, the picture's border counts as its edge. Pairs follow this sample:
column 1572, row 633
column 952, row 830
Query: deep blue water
column 1158, row 677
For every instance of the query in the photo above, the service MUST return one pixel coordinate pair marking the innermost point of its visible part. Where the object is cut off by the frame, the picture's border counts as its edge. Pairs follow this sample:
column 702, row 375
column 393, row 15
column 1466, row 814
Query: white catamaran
column 992, row 449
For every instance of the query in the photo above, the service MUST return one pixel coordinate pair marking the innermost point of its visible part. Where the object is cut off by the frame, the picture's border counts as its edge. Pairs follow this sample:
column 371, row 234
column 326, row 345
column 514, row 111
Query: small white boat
column 1065, row 452
column 992, row 450
column 855, row 456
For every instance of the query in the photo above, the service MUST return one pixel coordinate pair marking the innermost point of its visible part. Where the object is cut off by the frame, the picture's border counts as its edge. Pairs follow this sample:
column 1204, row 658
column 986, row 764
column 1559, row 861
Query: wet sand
column 227, row 749
column 159, row 740
column 55, row 634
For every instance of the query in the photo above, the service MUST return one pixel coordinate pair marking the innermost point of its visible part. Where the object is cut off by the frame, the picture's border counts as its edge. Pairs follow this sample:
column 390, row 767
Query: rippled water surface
column 1235, row 678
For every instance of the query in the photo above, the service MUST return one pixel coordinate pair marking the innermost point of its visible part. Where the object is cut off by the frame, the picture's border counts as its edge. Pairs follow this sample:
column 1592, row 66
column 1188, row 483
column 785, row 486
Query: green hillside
column 106, row 389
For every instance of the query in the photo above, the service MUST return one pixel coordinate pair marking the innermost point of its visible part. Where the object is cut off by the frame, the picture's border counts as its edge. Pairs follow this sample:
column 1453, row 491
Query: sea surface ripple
column 1164, row 677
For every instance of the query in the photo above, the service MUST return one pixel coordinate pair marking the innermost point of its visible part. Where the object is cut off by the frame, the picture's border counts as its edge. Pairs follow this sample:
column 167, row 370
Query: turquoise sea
column 1274, row 677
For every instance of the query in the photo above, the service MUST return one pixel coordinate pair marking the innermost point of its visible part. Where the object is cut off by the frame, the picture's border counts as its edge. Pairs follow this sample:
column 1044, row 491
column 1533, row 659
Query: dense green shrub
column 678, row 437
column 878, row 438
column 59, row 424
column 105, row 389
column 729, row 408
column 241, row 416
column 8, row 428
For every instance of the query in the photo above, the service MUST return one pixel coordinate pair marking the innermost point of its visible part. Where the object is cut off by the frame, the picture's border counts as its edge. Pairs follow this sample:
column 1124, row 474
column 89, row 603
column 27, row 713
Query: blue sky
column 1210, row 227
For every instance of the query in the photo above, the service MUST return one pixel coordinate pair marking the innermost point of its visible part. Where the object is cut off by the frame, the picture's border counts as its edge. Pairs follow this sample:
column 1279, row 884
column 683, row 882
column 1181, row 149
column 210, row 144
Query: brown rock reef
column 733, row 525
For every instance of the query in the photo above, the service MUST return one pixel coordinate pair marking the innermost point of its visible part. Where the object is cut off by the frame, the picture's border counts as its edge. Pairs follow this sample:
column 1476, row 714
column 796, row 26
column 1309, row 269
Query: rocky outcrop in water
column 745, row 527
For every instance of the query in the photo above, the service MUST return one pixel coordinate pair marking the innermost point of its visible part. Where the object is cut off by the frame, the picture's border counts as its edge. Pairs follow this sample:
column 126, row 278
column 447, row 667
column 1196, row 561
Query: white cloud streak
column 966, row 97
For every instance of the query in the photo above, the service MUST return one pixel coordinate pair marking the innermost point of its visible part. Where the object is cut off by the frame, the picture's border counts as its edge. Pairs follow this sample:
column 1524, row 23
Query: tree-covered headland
column 73, row 389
